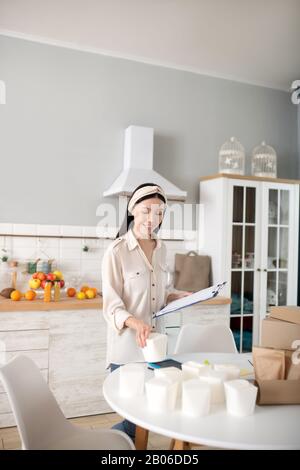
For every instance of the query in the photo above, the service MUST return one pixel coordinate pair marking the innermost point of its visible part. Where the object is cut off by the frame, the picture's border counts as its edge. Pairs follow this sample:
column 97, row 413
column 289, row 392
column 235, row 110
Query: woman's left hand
column 175, row 296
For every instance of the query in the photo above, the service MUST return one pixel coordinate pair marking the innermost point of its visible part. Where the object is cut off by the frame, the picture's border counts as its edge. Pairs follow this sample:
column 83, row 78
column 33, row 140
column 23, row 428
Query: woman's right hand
column 142, row 330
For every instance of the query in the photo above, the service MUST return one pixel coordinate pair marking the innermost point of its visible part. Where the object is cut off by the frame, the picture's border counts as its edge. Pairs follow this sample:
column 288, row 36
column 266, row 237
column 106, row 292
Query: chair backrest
column 37, row 414
column 205, row 338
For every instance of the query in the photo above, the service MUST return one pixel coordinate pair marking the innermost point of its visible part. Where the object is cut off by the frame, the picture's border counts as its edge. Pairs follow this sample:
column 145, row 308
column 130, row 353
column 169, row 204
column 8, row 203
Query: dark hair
column 129, row 218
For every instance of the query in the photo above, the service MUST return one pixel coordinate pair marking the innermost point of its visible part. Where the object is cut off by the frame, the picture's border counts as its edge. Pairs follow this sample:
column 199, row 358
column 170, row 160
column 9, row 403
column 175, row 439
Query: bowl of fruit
column 38, row 280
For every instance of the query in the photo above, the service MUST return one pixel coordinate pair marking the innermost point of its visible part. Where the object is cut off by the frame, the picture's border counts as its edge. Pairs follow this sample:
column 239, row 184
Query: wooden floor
column 9, row 437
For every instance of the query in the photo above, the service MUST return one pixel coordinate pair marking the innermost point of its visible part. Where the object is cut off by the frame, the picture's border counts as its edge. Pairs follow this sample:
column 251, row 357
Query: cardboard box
column 278, row 334
column 278, row 392
column 276, row 385
column 286, row 313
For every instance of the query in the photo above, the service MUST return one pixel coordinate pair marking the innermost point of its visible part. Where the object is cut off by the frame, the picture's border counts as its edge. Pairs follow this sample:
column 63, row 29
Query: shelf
column 242, row 224
column 249, row 178
column 242, row 270
column 236, row 315
column 282, row 270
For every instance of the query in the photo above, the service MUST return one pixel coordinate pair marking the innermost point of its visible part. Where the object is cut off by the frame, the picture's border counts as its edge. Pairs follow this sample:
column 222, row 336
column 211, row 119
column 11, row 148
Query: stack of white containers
column 194, row 389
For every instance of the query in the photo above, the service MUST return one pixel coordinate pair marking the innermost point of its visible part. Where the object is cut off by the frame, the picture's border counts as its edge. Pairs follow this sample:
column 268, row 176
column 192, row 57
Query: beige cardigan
column 131, row 286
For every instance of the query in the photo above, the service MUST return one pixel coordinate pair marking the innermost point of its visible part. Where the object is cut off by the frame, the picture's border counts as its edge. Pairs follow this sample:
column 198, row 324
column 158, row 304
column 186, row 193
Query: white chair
column 205, row 338
column 40, row 421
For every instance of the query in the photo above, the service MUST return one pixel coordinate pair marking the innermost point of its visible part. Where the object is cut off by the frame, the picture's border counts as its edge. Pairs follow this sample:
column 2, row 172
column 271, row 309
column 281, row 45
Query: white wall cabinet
column 249, row 227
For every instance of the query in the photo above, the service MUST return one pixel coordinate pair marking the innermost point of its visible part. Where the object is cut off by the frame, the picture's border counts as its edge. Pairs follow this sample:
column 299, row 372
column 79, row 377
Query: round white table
column 270, row 427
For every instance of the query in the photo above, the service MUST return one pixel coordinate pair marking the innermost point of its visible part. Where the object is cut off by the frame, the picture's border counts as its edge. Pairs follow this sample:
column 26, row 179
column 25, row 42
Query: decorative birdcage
column 232, row 157
column 264, row 161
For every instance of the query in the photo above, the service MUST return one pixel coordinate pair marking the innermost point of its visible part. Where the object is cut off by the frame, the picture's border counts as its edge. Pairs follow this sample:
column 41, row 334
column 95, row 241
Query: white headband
column 145, row 191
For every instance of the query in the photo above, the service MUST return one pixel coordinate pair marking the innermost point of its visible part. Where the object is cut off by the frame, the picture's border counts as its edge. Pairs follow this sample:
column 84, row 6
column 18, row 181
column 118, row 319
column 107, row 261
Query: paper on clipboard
column 200, row 296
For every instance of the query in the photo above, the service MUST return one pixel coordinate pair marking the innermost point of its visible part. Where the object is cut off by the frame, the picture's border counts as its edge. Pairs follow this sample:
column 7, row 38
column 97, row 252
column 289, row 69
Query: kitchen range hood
column 138, row 166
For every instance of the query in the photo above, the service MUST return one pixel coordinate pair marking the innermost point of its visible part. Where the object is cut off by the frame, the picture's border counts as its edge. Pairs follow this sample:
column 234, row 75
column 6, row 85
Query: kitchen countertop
column 71, row 303
column 66, row 303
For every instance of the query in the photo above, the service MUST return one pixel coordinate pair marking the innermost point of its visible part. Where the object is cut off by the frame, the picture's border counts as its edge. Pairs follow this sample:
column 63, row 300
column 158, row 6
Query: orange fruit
column 81, row 295
column 16, row 295
column 84, row 288
column 90, row 294
column 71, row 292
column 30, row 295
column 95, row 290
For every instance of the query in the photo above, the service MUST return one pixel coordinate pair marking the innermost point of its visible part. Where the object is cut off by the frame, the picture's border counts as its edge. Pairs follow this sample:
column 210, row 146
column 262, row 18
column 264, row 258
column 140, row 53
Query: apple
column 35, row 276
column 59, row 275
column 62, row 283
column 43, row 283
column 41, row 276
column 34, row 283
column 51, row 277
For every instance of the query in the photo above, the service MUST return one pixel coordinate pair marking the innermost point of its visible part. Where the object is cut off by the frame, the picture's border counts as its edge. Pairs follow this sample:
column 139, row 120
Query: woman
column 133, row 280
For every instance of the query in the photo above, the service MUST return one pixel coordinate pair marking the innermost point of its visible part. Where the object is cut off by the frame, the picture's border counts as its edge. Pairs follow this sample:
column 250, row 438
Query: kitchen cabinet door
column 250, row 228
column 242, row 255
column 279, row 246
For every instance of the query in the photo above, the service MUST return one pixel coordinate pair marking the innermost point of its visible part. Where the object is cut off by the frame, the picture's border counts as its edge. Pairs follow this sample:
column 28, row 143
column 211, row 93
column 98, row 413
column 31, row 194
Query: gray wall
column 298, row 106
column 61, row 142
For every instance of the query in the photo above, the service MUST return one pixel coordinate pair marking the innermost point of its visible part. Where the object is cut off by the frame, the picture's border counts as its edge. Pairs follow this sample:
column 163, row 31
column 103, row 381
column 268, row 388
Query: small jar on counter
column 14, row 272
column 56, row 291
column 47, row 291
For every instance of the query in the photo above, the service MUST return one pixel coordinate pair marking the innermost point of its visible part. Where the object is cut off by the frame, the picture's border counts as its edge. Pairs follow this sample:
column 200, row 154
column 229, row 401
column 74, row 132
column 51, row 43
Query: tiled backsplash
column 78, row 266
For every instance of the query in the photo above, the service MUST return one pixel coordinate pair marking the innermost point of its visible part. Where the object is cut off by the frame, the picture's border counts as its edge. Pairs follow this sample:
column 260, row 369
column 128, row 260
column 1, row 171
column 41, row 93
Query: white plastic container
column 196, row 398
column 172, row 373
column 156, row 347
column 193, row 369
column 215, row 379
column 161, row 394
column 131, row 380
column 240, row 397
column 232, row 371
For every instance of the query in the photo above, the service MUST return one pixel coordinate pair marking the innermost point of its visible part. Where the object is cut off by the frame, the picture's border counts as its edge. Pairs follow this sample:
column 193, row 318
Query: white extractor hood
column 138, row 166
